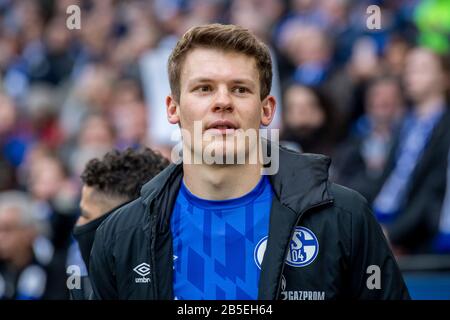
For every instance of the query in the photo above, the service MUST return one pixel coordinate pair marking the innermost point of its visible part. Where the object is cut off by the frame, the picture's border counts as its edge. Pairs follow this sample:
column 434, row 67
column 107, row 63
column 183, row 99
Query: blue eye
column 204, row 88
column 241, row 90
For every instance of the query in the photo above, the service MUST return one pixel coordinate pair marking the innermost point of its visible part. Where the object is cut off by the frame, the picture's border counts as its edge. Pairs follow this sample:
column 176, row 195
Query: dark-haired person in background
column 107, row 184
column 310, row 122
column 360, row 159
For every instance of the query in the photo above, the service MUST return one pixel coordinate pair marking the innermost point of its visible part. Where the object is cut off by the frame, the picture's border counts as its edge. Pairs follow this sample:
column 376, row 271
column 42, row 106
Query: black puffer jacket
column 348, row 259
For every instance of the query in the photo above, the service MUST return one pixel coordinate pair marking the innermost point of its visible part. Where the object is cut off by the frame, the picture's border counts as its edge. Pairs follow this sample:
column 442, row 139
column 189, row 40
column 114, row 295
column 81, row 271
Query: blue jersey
column 216, row 244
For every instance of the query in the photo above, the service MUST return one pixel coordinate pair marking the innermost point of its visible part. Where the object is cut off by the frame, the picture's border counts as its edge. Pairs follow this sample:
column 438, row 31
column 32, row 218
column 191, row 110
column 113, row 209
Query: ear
column 172, row 110
column 268, row 110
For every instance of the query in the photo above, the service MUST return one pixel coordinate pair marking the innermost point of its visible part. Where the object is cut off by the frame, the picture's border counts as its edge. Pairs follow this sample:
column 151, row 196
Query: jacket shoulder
column 125, row 219
column 348, row 199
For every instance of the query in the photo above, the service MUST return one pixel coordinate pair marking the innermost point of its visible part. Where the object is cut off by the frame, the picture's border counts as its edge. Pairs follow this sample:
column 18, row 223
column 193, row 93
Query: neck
column 430, row 105
column 221, row 182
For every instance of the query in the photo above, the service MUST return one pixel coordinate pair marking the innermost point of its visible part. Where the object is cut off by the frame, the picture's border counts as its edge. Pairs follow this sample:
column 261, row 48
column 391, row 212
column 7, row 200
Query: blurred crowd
column 377, row 101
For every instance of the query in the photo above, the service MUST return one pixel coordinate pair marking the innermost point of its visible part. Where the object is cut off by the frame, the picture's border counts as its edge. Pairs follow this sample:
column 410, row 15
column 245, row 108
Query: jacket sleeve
column 101, row 268
column 374, row 272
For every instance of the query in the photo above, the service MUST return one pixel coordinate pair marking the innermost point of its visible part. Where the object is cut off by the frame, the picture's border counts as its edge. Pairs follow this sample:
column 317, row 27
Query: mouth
column 223, row 127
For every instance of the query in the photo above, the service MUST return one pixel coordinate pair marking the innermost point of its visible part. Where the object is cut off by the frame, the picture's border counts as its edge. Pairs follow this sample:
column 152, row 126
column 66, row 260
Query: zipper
column 152, row 256
column 292, row 235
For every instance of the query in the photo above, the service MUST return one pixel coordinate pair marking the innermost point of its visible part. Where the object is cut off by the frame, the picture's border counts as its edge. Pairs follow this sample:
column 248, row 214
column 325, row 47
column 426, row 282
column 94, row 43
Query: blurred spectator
column 129, row 115
column 54, row 194
column 26, row 270
column 91, row 93
column 96, row 137
column 360, row 159
column 395, row 55
column 14, row 136
column 410, row 197
column 309, row 50
column 309, row 121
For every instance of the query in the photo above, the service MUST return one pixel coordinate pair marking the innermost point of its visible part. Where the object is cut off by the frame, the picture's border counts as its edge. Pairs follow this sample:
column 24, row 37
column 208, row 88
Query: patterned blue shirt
column 215, row 244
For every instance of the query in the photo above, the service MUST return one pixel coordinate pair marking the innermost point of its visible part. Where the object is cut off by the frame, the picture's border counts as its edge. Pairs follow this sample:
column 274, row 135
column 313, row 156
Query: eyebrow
column 247, row 81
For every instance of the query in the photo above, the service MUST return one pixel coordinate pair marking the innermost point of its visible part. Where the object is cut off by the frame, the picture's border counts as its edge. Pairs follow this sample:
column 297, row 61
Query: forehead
column 299, row 93
column 422, row 58
column 218, row 64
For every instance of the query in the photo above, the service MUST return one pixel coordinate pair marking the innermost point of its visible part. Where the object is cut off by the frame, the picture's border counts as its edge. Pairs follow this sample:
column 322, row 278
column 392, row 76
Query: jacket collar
column 301, row 180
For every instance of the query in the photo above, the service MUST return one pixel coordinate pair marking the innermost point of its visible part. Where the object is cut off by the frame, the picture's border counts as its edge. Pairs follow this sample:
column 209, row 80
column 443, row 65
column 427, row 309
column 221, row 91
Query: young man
column 208, row 230
column 109, row 183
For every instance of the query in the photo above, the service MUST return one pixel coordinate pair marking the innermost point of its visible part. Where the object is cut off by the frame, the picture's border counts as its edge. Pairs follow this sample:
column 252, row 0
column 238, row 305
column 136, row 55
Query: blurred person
column 309, row 122
column 91, row 93
column 128, row 114
column 53, row 65
column 259, row 16
column 395, row 54
column 15, row 137
column 235, row 231
column 127, row 90
column 94, row 36
column 198, row 12
column 305, row 12
column 340, row 26
column 54, row 193
column 139, row 35
column 109, row 183
column 364, row 65
column 96, row 137
column 130, row 122
column 360, row 159
column 41, row 113
column 26, row 273
column 26, row 22
column 309, row 50
column 409, row 196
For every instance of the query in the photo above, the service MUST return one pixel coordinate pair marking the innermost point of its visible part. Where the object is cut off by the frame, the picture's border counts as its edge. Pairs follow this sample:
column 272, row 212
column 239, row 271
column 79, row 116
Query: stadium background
column 67, row 96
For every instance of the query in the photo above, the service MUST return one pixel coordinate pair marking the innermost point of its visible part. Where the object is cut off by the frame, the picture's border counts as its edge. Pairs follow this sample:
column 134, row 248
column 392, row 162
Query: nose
column 222, row 101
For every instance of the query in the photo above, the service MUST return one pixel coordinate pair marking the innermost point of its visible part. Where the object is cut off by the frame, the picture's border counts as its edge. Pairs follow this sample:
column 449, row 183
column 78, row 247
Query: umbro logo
column 143, row 270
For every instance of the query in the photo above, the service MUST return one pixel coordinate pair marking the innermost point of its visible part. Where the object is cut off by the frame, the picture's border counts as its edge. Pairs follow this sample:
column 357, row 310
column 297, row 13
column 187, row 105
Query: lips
column 221, row 127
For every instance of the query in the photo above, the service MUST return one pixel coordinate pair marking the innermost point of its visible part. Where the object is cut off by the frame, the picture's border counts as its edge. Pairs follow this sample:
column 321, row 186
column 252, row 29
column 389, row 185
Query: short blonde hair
column 222, row 37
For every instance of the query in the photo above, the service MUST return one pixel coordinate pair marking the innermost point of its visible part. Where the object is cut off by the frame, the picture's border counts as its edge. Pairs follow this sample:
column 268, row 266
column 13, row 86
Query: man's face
column 15, row 237
column 302, row 109
column 90, row 209
column 423, row 76
column 222, row 90
column 384, row 102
